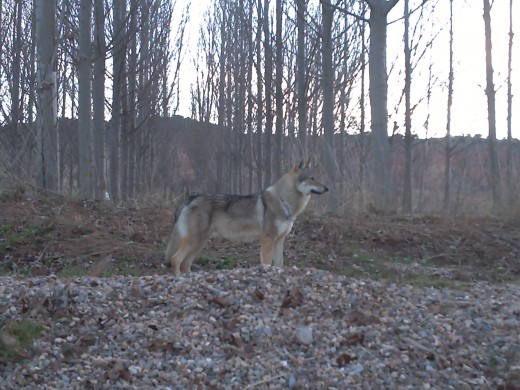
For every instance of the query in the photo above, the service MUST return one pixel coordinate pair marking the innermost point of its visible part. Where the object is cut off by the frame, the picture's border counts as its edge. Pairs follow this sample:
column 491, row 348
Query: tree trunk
column 327, row 83
column 301, row 79
column 490, row 92
column 268, row 51
column 362, row 109
column 98, row 101
column 47, row 127
column 381, row 161
column 221, row 101
column 16, row 64
column 278, row 160
column 249, row 126
column 84, row 100
column 407, row 190
column 118, row 64
column 259, row 99
column 130, row 129
column 510, row 187
column 448, row 147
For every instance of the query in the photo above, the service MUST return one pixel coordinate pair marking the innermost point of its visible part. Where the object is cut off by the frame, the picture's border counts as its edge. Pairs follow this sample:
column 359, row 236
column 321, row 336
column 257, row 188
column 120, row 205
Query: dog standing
column 267, row 216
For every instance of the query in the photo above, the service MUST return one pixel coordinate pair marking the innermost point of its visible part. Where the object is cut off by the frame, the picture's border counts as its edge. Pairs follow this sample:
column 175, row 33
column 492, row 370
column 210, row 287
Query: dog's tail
column 173, row 242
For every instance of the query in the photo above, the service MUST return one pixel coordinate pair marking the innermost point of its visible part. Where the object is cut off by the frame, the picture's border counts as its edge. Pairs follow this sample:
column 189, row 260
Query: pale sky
column 469, row 110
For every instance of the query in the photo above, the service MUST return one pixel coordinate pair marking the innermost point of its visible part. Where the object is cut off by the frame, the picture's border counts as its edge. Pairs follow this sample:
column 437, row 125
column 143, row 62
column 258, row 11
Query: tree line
column 272, row 80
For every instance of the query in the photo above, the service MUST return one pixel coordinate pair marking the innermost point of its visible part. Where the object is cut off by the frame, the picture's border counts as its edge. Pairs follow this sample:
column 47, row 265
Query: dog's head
column 306, row 183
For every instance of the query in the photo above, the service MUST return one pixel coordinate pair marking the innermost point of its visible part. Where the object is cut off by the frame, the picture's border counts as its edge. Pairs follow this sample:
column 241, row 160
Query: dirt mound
column 42, row 234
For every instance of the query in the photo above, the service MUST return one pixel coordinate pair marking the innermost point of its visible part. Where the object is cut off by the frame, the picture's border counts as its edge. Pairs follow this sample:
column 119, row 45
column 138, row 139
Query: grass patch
column 426, row 281
column 35, row 231
column 218, row 262
column 17, row 337
column 397, row 270
column 72, row 272
column 7, row 229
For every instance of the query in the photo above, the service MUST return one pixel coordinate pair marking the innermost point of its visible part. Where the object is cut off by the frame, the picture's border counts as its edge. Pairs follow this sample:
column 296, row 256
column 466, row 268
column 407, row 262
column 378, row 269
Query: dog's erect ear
column 299, row 166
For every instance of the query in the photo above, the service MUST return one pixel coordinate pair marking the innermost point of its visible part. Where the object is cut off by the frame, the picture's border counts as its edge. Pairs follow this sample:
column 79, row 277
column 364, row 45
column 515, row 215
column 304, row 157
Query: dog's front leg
column 266, row 250
column 278, row 252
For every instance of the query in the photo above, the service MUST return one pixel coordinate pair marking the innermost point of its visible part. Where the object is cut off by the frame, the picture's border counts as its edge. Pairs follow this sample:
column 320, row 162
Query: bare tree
column 327, row 81
column 448, row 147
column 98, row 100
column 85, row 104
column 259, row 97
column 117, row 75
column 381, row 178
column 510, row 188
column 301, row 79
column 221, row 97
column 268, row 52
column 277, row 160
column 16, row 65
column 407, row 190
column 490, row 92
column 47, row 129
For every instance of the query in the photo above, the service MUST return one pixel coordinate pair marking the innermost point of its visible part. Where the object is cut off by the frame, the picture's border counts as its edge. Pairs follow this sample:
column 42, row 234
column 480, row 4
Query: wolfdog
column 267, row 216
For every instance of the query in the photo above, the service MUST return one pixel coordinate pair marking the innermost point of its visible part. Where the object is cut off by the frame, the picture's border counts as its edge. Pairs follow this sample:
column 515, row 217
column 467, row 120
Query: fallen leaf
column 343, row 359
column 360, row 318
column 258, row 294
column 220, row 301
column 355, row 338
column 118, row 371
column 293, row 298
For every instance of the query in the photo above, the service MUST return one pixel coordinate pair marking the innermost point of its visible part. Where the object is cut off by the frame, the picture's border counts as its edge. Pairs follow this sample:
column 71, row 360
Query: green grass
column 215, row 262
column 24, row 332
column 365, row 265
column 72, row 272
column 7, row 229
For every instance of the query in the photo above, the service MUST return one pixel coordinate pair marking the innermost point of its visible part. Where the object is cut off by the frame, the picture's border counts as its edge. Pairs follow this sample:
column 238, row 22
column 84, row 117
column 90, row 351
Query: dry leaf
column 343, row 359
column 293, row 298
column 356, row 338
column 220, row 301
column 258, row 294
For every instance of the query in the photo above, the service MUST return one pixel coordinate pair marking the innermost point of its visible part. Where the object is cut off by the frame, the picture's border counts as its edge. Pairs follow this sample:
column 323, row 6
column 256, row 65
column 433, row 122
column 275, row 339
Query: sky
column 469, row 110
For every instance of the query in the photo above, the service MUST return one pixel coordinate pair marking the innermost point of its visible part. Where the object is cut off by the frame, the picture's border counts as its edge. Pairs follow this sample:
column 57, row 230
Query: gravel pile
column 263, row 329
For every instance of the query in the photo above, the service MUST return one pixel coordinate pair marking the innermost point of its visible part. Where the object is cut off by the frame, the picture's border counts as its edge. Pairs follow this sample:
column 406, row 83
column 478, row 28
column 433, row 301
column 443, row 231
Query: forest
column 405, row 274
column 91, row 96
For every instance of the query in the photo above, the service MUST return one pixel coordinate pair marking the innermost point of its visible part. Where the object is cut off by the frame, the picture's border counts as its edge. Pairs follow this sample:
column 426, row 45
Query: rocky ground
column 377, row 301
column 262, row 328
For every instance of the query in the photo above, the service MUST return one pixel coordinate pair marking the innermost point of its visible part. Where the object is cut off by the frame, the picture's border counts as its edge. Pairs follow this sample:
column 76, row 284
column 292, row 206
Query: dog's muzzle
column 325, row 189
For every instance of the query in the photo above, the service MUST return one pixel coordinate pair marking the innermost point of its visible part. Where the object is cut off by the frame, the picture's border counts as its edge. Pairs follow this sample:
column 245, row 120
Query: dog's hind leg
column 186, row 247
column 195, row 251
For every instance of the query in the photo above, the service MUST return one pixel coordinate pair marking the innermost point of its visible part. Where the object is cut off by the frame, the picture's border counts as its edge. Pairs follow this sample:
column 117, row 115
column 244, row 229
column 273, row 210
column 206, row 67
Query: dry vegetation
column 42, row 234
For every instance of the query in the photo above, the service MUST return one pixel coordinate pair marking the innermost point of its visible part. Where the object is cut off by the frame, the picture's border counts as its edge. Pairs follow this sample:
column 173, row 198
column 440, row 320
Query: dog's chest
column 283, row 226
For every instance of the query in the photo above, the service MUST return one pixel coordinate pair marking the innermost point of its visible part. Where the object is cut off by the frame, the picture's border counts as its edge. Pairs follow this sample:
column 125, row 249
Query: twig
column 265, row 380
column 42, row 252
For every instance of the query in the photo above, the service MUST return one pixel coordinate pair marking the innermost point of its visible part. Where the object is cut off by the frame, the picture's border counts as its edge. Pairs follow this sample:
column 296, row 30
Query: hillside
column 374, row 300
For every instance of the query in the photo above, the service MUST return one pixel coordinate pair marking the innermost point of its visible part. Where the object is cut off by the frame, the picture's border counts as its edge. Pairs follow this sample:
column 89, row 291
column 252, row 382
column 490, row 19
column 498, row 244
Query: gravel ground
column 261, row 328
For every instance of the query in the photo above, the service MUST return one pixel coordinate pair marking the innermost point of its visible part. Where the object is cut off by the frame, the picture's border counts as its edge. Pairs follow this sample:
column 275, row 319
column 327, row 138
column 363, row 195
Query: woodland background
column 90, row 95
